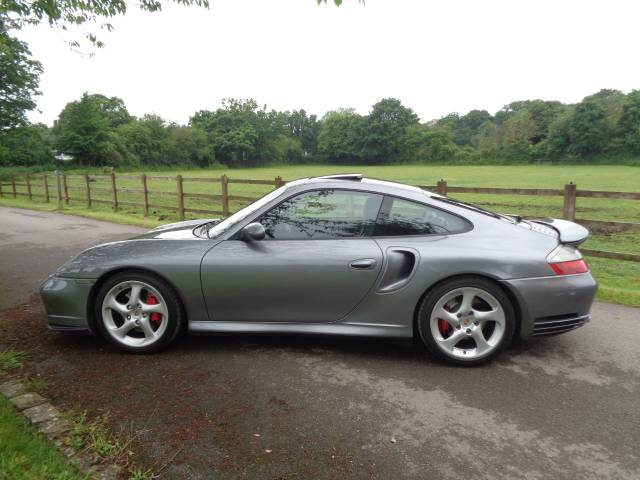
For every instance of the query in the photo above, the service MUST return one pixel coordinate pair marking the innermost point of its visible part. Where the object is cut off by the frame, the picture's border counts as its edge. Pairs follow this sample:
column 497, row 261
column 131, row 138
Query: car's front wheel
column 138, row 312
column 466, row 321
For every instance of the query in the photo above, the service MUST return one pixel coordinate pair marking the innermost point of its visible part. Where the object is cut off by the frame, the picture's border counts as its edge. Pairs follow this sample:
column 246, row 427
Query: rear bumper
column 555, row 304
column 65, row 300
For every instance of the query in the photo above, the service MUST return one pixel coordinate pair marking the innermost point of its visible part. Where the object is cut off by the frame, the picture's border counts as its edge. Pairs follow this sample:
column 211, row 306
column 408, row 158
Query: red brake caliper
column 444, row 326
column 155, row 317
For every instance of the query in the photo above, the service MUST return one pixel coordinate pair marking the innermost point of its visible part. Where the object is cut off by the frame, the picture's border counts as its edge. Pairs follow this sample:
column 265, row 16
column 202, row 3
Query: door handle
column 363, row 264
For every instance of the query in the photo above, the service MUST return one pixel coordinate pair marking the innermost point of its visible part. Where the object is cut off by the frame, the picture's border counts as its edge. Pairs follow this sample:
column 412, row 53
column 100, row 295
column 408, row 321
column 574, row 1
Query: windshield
column 221, row 227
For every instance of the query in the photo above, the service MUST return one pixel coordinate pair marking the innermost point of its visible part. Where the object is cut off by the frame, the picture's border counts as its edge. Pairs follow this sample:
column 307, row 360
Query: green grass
column 11, row 359
column 619, row 280
column 139, row 474
column 25, row 454
column 94, row 435
column 592, row 177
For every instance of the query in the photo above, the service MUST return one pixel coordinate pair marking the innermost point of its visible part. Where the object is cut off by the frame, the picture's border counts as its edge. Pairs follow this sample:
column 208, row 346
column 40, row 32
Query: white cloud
column 437, row 56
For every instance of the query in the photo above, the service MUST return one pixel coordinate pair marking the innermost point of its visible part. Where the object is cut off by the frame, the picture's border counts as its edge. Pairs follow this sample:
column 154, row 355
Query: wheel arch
column 517, row 308
column 93, row 293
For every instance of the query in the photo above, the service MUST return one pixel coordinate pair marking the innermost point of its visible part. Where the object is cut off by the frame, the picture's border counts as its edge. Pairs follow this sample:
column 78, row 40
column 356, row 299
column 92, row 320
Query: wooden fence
column 570, row 193
column 62, row 187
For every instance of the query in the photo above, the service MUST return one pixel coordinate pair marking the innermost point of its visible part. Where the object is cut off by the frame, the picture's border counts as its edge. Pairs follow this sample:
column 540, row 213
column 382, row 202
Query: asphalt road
column 566, row 407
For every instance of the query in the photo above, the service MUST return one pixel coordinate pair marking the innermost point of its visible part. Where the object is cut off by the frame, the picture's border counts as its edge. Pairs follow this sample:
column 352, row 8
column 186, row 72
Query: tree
column 629, row 123
column 65, row 13
column 305, row 128
column 384, row 128
column 85, row 131
column 464, row 128
column 588, row 129
column 422, row 144
column 19, row 75
column 241, row 132
column 143, row 140
column 340, row 138
column 559, row 138
column 26, row 145
column 188, row 145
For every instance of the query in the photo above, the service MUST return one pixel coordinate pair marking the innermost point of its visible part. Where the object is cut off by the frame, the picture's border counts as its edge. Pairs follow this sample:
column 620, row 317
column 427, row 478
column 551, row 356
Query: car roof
column 358, row 182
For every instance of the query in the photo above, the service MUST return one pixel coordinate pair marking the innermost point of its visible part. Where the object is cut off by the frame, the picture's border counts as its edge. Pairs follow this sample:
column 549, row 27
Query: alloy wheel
column 467, row 323
column 135, row 314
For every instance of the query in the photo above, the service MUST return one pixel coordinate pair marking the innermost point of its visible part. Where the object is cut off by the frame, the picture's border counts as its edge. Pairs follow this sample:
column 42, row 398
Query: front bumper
column 65, row 300
column 555, row 304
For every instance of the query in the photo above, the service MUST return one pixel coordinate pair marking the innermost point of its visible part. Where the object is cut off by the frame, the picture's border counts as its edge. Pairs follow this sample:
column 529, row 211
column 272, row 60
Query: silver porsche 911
column 341, row 255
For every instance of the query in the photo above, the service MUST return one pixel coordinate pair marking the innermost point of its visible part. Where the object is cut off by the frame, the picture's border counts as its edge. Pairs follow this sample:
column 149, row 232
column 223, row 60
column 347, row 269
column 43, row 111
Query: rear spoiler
column 569, row 233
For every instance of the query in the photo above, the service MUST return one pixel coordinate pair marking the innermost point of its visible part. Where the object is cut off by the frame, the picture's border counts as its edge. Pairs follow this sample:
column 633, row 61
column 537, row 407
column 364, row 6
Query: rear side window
column 403, row 217
column 323, row 214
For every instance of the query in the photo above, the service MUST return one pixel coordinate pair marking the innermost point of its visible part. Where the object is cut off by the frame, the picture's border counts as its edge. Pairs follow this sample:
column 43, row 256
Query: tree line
column 99, row 131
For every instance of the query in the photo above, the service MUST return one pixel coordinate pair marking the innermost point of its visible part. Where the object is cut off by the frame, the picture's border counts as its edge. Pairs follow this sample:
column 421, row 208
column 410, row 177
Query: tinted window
column 402, row 217
column 323, row 214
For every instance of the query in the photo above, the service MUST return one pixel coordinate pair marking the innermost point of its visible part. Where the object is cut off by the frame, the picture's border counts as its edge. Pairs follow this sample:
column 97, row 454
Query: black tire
column 428, row 303
column 175, row 321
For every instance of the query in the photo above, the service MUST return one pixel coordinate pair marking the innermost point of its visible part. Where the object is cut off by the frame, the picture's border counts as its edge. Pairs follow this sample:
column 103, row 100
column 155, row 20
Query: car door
column 316, row 263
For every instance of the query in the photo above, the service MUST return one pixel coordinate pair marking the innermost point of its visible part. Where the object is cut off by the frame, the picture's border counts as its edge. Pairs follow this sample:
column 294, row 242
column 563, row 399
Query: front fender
column 176, row 261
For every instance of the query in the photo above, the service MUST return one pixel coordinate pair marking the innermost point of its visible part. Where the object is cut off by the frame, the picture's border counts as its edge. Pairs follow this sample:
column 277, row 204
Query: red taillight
column 570, row 268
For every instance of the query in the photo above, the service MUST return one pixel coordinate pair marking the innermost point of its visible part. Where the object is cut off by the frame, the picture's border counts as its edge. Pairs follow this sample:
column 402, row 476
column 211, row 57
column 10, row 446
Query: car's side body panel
column 288, row 280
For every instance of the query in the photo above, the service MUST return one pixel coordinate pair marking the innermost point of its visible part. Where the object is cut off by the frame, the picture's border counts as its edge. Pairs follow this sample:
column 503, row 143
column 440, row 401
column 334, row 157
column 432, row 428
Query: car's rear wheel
column 138, row 312
column 466, row 321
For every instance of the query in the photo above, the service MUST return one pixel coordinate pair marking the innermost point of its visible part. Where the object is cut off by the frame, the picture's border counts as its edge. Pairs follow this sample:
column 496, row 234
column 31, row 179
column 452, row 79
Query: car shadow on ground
column 24, row 327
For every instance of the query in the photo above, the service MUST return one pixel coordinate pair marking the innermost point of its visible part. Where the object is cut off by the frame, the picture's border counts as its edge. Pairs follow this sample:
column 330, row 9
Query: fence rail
column 570, row 193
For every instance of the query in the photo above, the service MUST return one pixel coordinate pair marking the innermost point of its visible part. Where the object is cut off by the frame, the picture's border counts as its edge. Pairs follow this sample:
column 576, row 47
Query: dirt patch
column 191, row 413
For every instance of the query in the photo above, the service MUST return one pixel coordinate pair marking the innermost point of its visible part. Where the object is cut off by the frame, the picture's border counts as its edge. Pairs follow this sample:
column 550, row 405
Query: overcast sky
column 437, row 56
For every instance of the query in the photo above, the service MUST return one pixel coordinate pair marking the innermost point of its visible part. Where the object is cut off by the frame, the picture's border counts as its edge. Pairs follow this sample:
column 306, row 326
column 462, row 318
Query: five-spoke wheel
column 466, row 321
column 138, row 312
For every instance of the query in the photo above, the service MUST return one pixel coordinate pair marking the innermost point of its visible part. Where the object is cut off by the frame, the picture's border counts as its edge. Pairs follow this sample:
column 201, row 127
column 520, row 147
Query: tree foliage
column 19, row 75
column 98, row 130
column 66, row 13
column 85, row 131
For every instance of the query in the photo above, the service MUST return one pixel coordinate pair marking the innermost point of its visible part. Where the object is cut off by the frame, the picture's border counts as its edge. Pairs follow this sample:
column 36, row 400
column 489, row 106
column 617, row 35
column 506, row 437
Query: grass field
column 25, row 454
column 620, row 280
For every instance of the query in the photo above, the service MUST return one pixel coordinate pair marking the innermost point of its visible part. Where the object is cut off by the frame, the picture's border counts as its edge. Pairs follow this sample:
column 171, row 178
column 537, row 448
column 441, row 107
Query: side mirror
column 253, row 231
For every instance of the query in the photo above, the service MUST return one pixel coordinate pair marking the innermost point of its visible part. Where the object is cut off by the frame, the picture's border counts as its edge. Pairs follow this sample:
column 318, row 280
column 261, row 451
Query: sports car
column 335, row 255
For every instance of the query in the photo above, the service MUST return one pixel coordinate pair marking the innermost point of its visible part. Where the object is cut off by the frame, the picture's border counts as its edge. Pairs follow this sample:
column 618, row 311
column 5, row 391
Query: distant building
column 63, row 157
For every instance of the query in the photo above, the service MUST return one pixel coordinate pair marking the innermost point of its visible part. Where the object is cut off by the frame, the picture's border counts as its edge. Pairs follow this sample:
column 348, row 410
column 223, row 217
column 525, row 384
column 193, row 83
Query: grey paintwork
column 229, row 284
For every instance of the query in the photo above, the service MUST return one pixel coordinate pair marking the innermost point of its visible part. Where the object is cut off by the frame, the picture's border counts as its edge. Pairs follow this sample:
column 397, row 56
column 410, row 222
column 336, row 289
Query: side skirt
column 353, row 329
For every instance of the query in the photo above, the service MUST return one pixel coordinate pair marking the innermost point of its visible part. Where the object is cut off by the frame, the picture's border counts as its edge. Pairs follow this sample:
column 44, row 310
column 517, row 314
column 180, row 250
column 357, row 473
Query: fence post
column 569, row 207
column 442, row 187
column 86, row 181
column 278, row 182
column 29, row 186
column 224, row 188
column 13, row 185
column 59, row 189
column 145, row 194
column 180, row 198
column 66, row 188
column 45, row 184
column 114, row 192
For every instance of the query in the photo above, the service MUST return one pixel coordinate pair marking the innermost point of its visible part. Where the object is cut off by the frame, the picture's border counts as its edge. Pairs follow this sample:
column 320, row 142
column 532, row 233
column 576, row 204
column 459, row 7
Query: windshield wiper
column 471, row 206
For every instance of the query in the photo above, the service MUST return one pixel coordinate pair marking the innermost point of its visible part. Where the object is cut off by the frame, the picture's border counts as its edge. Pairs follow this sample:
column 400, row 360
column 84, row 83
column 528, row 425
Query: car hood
column 176, row 231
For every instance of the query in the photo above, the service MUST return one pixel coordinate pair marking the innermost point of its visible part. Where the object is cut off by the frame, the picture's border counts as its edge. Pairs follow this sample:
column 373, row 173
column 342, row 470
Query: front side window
column 323, row 214
column 402, row 217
